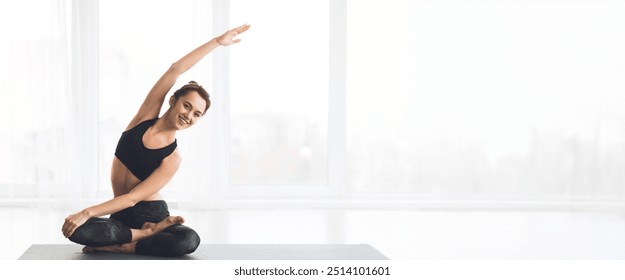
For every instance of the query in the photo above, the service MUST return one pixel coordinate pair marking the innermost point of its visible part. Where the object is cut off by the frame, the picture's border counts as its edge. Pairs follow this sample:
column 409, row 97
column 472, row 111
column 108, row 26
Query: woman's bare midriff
column 124, row 181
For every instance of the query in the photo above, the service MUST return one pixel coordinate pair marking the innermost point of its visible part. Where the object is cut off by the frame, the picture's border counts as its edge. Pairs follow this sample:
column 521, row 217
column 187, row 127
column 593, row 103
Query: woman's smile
column 183, row 120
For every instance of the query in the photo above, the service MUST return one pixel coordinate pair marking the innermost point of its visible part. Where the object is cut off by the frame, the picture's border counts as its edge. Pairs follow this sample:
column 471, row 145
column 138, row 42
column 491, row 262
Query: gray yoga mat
column 219, row 252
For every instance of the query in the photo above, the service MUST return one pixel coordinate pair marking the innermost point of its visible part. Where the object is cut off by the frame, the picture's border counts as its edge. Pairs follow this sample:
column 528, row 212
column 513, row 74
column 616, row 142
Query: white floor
column 400, row 235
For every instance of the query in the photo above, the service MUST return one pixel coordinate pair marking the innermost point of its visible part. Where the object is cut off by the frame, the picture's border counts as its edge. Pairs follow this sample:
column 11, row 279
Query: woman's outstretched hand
column 73, row 221
column 228, row 39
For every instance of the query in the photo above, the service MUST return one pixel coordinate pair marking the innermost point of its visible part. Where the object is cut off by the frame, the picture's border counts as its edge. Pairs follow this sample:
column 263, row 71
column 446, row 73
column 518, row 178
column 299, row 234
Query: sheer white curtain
column 40, row 114
column 487, row 99
column 278, row 127
column 469, row 99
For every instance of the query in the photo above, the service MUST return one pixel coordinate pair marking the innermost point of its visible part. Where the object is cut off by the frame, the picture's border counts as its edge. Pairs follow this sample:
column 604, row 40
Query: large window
column 487, row 98
column 37, row 128
column 349, row 98
column 279, row 93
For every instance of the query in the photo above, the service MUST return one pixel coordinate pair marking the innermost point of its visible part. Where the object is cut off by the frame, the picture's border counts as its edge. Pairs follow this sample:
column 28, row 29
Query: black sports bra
column 140, row 160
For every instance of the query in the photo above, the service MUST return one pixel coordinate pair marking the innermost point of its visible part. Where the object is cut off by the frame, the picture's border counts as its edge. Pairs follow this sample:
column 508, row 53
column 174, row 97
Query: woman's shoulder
column 172, row 160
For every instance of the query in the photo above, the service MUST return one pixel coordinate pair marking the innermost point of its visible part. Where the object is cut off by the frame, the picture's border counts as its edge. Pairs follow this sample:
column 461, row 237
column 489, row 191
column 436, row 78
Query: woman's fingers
column 228, row 37
column 68, row 230
column 65, row 228
column 71, row 231
column 69, row 226
column 242, row 28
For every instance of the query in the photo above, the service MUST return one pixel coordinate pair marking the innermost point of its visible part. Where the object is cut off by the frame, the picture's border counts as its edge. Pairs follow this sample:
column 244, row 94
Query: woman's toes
column 147, row 225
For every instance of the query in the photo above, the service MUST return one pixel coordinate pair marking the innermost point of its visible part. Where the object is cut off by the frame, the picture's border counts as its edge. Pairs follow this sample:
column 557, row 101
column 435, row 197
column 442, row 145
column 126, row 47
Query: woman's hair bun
column 193, row 86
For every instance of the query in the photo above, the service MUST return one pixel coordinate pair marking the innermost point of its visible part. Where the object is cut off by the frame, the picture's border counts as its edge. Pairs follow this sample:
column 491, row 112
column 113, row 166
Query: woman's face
column 187, row 110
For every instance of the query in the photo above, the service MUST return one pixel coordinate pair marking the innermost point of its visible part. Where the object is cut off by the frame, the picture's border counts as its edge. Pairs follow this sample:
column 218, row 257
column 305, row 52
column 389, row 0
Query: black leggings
column 176, row 240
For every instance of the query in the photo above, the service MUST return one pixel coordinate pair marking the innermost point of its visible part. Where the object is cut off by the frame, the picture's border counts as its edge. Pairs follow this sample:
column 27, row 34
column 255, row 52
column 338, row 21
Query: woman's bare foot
column 126, row 248
column 149, row 229
column 152, row 228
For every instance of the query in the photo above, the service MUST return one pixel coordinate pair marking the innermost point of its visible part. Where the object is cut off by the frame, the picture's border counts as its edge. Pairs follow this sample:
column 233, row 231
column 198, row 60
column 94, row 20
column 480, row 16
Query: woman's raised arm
column 153, row 102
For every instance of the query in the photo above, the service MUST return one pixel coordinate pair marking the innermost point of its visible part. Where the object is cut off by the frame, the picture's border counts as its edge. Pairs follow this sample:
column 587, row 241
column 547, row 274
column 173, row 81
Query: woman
column 146, row 159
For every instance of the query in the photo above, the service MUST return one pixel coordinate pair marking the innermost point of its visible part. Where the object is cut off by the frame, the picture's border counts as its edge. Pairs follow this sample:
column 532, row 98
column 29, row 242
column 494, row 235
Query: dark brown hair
column 193, row 86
